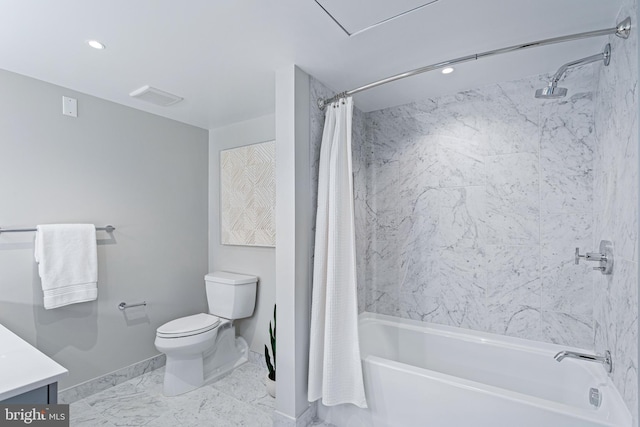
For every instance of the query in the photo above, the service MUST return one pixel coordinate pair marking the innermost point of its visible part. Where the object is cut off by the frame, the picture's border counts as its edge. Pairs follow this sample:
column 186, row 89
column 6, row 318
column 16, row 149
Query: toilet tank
column 231, row 295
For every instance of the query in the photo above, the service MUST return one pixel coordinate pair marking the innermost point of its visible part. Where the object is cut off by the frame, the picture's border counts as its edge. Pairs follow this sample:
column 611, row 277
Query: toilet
column 203, row 347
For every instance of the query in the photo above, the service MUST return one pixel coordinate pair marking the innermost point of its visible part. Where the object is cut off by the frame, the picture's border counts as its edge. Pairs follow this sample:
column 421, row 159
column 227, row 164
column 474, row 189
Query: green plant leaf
column 272, row 339
column 270, row 367
column 272, row 334
column 273, row 345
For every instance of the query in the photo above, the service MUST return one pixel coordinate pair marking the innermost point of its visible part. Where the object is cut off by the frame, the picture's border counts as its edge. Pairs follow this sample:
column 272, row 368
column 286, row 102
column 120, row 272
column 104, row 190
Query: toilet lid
column 189, row 325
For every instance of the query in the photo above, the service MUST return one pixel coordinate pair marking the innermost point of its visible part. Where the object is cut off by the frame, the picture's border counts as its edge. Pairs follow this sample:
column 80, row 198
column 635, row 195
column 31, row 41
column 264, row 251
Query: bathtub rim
column 470, row 335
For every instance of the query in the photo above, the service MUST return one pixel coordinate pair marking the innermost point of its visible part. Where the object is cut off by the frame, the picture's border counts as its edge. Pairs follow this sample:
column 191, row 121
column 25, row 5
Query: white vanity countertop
column 23, row 367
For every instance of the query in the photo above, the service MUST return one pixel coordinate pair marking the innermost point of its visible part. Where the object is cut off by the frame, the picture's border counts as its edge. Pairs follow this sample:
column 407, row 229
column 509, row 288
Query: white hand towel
column 67, row 263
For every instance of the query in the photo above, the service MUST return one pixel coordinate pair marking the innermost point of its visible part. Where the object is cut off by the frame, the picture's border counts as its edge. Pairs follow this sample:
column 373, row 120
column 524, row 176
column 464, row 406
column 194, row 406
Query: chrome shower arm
column 603, row 56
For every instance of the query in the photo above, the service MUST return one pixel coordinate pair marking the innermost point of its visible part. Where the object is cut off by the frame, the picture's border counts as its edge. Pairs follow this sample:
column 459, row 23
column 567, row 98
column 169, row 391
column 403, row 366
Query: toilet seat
column 188, row 326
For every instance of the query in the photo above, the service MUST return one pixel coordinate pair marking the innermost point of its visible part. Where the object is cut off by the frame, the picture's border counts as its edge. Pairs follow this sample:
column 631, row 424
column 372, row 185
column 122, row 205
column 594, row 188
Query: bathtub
column 423, row 374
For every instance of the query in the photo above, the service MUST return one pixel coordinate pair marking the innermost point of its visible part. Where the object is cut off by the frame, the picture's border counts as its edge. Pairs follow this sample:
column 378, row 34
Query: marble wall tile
column 362, row 217
column 623, row 299
column 461, row 217
column 513, row 118
column 567, row 329
column 460, row 283
column 517, row 321
column 567, row 288
column 566, row 154
column 616, row 131
column 615, row 205
column 455, row 203
column 616, row 326
column 388, row 132
column 492, row 116
column 513, row 199
column 441, row 161
column 513, row 290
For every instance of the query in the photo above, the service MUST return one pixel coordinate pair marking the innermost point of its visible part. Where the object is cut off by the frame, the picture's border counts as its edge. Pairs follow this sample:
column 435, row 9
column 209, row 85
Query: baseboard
column 87, row 388
column 257, row 359
column 305, row 419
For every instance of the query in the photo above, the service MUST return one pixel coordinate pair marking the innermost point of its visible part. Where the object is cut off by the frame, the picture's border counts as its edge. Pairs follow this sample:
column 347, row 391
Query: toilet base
column 227, row 355
column 186, row 374
column 182, row 375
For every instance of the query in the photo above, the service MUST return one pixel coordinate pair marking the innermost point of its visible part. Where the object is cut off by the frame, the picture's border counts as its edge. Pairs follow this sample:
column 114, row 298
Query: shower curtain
column 335, row 372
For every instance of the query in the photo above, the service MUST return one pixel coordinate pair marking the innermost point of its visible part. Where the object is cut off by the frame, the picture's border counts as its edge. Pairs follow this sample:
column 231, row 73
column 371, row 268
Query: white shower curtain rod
column 621, row 30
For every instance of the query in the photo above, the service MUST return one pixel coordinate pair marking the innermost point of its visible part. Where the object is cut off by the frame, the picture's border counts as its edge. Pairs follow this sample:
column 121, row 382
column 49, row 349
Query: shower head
column 552, row 91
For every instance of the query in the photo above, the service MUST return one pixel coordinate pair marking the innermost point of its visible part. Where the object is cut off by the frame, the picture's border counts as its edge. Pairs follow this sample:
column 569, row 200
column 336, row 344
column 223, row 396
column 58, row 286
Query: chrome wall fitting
column 604, row 257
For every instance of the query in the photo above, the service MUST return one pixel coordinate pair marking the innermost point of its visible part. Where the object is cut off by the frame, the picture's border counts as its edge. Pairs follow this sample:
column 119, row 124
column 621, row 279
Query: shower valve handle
column 604, row 257
column 590, row 256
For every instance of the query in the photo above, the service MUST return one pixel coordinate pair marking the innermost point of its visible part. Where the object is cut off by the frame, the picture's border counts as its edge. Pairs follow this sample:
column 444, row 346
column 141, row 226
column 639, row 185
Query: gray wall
column 144, row 174
column 293, row 245
column 258, row 261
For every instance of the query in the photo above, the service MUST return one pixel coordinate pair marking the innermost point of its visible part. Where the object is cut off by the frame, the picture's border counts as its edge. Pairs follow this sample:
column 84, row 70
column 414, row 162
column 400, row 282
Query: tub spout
column 605, row 360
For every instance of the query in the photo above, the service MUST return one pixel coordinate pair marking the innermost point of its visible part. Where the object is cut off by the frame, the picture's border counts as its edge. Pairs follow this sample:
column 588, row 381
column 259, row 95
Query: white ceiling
column 360, row 15
column 221, row 55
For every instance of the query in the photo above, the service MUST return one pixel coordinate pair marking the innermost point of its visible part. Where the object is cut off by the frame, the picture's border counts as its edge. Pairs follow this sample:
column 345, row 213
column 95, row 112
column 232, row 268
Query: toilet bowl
column 201, row 348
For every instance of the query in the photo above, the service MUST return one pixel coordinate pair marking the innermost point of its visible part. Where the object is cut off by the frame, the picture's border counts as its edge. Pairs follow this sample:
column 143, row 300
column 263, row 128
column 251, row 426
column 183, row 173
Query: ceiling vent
column 155, row 96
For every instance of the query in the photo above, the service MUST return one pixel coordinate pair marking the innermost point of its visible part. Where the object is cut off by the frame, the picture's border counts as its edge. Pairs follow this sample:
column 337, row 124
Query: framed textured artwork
column 248, row 195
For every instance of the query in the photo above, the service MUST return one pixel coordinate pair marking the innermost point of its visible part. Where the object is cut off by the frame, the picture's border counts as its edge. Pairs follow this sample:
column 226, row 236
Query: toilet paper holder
column 124, row 305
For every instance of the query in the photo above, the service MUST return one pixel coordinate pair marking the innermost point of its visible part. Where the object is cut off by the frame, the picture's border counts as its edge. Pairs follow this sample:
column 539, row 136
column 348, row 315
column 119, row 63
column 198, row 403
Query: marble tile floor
column 239, row 399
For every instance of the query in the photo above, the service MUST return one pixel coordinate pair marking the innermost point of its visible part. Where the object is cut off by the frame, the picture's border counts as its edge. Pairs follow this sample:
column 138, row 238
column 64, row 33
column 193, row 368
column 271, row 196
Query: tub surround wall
column 254, row 260
column 112, row 164
column 616, row 209
column 475, row 204
column 469, row 208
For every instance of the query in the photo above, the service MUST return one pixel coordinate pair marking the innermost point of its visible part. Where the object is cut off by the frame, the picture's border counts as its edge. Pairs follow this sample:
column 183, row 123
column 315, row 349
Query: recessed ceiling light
column 447, row 70
column 95, row 44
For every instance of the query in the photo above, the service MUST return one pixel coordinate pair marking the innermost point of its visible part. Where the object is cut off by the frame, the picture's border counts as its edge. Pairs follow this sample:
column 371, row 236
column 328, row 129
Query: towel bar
column 107, row 228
